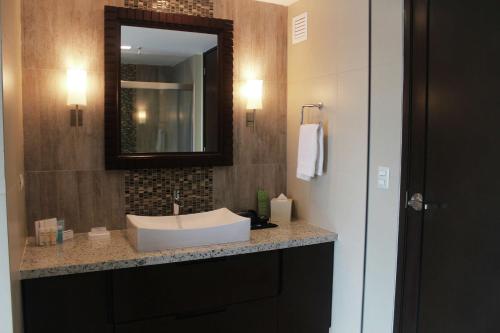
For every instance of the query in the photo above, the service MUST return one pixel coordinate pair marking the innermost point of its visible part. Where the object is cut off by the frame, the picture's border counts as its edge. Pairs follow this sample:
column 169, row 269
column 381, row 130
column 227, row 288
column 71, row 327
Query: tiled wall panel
column 260, row 42
column 65, row 165
column 150, row 192
column 188, row 7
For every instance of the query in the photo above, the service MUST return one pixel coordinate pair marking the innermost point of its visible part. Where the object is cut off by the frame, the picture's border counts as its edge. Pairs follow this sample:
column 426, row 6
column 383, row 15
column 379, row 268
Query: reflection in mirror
column 168, row 93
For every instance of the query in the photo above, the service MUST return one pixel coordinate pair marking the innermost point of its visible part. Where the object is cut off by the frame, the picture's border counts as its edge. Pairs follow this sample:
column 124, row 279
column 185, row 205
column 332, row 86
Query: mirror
column 167, row 84
column 168, row 90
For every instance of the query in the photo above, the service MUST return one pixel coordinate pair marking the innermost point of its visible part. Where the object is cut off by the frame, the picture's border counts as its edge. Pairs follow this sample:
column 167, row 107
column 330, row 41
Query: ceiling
column 280, row 2
column 163, row 47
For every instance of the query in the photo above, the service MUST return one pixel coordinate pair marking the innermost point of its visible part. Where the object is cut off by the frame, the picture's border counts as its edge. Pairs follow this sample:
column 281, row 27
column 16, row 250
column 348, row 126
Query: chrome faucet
column 176, row 205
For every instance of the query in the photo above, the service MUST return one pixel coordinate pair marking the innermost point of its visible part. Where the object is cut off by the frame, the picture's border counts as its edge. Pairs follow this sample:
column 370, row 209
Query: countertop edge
column 167, row 259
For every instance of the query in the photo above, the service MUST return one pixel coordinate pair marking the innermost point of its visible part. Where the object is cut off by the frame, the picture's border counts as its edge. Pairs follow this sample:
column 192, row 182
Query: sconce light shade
column 141, row 116
column 253, row 92
column 76, row 83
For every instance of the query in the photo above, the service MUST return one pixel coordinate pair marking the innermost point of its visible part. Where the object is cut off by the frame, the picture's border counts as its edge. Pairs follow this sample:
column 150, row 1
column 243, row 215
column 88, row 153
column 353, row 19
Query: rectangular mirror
column 168, row 90
column 168, row 79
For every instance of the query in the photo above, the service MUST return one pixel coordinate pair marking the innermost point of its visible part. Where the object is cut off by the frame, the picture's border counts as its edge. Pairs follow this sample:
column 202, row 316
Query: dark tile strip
column 189, row 7
column 149, row 192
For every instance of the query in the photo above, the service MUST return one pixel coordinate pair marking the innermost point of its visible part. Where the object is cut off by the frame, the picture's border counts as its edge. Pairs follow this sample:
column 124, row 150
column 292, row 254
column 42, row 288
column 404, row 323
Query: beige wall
column 385, row 150
column 65, row 165
column 13, row 151
column 332, row 67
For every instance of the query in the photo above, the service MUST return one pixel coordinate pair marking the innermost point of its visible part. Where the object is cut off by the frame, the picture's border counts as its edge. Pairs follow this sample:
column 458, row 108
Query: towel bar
column 318, row 105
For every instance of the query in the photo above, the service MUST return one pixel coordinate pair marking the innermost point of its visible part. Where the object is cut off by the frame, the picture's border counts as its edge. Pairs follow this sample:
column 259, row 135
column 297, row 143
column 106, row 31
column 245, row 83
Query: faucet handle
column 177, row 195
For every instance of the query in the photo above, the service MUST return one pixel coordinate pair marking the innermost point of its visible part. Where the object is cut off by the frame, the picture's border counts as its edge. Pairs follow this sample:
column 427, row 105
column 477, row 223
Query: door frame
column 412, row 179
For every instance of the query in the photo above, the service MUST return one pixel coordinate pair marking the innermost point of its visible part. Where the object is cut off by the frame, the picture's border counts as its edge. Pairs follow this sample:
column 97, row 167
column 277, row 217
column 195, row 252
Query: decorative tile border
column 189, row 7
column 149, row 192
column 128, row 126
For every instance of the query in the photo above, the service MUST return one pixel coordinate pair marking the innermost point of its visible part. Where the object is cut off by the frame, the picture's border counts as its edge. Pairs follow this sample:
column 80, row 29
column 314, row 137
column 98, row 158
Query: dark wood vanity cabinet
column 282, row 291
column 77, row 303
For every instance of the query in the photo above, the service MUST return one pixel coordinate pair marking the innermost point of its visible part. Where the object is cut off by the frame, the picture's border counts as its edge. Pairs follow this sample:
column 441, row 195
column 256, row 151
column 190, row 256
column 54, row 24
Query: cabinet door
column 253, row 317
column 165, row 290
column 73, row 303
column 305, row 302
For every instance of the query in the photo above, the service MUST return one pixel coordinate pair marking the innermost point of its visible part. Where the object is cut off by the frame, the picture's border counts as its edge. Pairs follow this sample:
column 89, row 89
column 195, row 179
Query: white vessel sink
column 148, row 233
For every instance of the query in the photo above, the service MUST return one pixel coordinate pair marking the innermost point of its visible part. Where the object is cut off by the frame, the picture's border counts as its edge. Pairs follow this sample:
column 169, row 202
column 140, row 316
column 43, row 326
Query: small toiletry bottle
column 44, row 236
column 39, row 237
column 37, row 233
column 262, row 203
column 53, row 235
column 60, row 231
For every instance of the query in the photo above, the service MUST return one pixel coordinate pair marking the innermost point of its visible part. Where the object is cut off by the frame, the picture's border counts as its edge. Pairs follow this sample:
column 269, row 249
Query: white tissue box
column 281, row 210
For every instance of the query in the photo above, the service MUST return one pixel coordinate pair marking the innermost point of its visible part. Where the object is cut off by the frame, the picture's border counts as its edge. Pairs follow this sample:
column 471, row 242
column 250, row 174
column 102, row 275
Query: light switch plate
column 383, row 175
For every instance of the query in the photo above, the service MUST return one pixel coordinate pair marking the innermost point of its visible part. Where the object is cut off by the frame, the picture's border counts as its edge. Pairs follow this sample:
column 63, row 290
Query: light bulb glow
column 76, row 84
column 141, row 116
column 253, row 93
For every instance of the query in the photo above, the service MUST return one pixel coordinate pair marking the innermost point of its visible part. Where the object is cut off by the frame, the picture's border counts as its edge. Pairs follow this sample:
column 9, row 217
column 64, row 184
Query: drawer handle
column 200, row 313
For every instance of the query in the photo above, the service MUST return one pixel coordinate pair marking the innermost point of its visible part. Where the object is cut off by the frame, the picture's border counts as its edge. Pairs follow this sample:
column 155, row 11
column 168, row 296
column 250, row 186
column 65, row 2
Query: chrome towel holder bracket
column 305, row 106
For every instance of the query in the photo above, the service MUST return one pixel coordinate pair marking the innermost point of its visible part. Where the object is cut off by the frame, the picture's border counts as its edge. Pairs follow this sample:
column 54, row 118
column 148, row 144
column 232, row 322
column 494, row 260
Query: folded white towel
column 319, row 160
column 310, row 156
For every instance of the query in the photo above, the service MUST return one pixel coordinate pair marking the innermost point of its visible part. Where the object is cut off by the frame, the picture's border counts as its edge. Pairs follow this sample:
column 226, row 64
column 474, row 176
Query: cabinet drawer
column 171, row 289
column 254, row 317
column 73, row 303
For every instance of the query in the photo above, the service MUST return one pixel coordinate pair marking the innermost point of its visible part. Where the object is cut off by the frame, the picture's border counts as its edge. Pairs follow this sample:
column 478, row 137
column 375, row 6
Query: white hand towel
column 308, row 151
column 319, row 159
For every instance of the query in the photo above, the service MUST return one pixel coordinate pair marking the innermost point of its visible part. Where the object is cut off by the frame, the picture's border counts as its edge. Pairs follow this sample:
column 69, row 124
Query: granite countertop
column 81, row 255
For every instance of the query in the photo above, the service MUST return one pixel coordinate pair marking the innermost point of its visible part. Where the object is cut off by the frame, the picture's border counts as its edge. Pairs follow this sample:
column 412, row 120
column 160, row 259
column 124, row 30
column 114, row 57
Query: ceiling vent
column 299, row 28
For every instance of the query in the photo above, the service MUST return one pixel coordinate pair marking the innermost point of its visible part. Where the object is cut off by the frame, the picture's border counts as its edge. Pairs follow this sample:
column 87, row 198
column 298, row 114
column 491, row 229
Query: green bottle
column 262, row 203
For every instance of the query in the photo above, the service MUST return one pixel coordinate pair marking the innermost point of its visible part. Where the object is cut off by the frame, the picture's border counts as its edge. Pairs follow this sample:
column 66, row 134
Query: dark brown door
column 449, row 259
column 210, row 112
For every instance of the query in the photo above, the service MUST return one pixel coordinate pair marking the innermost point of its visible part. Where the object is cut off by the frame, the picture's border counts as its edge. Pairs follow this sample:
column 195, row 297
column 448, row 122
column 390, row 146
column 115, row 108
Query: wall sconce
column 141, row 116
column 253, row 94
column 76, row 83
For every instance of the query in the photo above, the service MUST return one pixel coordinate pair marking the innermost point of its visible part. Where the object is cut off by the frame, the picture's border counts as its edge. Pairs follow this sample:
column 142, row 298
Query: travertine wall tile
column 101, row 199
column 236, row 187
column 260, row 52
column 83, row 198
column 266, row 143
column 65, row 165
column 50, row 142
column 52, row 194
column 260, row 38
column 58, row 34
column 66, row 176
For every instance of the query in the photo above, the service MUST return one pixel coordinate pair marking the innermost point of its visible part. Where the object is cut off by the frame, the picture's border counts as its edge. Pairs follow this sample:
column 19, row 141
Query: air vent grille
column 299, row 28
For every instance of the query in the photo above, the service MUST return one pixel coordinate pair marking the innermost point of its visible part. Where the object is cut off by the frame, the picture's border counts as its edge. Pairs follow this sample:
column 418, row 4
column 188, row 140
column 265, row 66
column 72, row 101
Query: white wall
column 13, row 197
column 385, row 150
column 5, row 295
column 332, row 67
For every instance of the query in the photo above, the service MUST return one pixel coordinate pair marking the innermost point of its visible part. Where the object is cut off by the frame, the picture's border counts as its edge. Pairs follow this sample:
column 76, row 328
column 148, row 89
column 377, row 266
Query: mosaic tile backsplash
column 188, row 7
column 149, row 192
column 127, row 102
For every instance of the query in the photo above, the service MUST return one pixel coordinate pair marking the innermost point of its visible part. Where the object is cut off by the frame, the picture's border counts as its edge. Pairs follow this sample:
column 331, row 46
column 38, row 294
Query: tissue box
column 281, row 210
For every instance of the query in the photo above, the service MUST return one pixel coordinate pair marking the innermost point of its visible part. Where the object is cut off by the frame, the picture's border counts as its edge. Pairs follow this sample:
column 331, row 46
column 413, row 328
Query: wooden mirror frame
column 115, row 17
